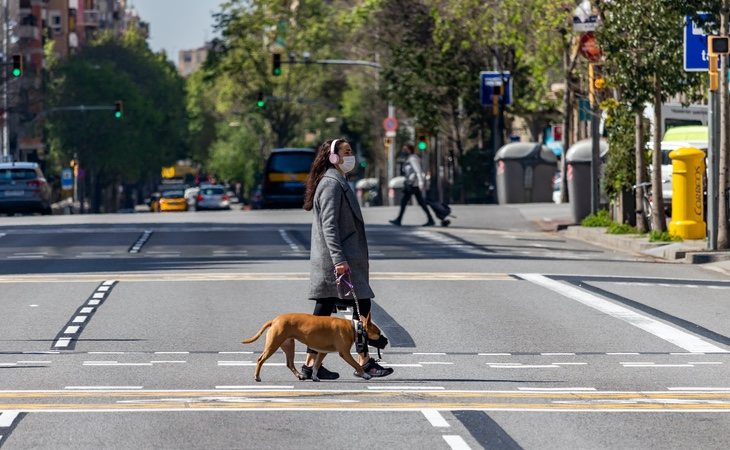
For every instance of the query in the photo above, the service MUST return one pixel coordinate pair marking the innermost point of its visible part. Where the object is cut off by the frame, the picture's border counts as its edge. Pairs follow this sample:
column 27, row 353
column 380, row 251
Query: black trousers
column 327, row 306
column 408, row 192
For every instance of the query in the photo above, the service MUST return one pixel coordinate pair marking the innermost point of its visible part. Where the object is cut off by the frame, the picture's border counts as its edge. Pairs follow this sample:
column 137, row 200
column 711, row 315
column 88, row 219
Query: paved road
column 124, row 332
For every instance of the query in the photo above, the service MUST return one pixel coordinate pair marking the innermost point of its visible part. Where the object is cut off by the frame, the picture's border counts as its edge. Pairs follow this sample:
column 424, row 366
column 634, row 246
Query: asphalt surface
column 124, row 331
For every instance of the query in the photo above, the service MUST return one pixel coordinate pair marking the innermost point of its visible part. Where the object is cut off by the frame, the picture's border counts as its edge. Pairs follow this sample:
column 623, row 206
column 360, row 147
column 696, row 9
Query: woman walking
column 338, row 244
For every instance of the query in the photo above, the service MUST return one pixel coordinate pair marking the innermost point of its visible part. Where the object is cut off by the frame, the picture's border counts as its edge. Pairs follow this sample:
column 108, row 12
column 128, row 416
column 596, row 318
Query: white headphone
column 334, row 157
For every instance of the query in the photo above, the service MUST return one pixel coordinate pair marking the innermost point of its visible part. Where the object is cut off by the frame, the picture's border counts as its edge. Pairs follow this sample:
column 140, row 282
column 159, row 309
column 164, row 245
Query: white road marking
column 8, row 364
column 522, row 366
column 34, row 362
column 435, row 418
column 168, row 362
column 7, row 418
column 557, row 354
column 79, row 319
column 93, row 302
column 33, row 306
column 702, row 389
column 659, row 329
column 255, row 387
column 108, row 283
column 113, row 363
column 704, row 362
column 556, row 389
column 657, row 365
column 102, row 289
column 98, row 295
column 456, row 442
column 86, row 310
column 63, row 342
column 84, row 388
column 405, row 388
column 570, row 363
column 289, row 241
column 71, row 330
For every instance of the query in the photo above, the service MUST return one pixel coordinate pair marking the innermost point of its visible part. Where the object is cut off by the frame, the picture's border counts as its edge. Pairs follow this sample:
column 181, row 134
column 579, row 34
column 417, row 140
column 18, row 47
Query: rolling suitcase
column 441, row 210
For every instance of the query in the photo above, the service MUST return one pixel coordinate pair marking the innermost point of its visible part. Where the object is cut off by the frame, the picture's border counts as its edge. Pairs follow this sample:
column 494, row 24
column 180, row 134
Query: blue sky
column 177, row 24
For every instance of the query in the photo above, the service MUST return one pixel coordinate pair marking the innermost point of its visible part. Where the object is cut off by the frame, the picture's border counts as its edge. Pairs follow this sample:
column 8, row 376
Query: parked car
column 285, row 176
column 212, row 196
column 23, row 189
column 173, row 200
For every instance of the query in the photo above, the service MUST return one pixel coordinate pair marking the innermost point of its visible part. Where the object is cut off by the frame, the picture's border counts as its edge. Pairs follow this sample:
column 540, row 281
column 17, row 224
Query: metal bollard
column 688, row 171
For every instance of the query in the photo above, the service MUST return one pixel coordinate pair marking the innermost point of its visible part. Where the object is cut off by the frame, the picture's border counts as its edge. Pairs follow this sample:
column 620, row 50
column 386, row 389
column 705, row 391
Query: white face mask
column 348, row 163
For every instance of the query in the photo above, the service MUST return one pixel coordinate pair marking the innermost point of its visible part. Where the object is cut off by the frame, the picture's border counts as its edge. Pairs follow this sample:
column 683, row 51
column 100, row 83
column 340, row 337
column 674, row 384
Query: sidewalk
column 558, row 218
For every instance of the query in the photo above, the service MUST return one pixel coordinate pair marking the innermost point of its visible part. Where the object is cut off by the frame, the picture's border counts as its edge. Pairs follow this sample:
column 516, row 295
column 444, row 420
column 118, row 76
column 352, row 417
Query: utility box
column 525, row 172
column 688, row 171
column 578, row 161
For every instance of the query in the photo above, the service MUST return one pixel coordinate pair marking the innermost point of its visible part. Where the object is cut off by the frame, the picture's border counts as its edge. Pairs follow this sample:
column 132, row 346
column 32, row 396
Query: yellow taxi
column 173, row 200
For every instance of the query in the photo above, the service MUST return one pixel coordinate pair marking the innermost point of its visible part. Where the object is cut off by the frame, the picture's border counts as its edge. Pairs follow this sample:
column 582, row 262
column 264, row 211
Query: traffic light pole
column 6, row 127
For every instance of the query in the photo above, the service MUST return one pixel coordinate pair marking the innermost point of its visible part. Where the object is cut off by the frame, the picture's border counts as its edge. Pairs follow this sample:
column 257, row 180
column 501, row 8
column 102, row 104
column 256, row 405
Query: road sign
column 67, row 179
column 487, row 82
column 696, row 58
column 390, row 124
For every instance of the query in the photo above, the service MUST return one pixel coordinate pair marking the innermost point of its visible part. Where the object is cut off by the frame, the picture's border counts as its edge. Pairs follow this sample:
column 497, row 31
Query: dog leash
column 345, row 279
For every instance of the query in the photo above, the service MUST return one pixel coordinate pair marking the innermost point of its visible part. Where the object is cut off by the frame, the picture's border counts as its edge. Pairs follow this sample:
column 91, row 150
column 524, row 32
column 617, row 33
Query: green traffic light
column 277, row 71
column 422, row 145
column 16, row 72
column 260, row 103
column 118, row 114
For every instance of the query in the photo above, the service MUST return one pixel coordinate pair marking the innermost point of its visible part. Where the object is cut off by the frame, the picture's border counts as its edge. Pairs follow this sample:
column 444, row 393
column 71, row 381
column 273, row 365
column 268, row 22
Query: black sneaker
column 395, row 222
column 376, row 370
column 322, row 374
column 445, row 223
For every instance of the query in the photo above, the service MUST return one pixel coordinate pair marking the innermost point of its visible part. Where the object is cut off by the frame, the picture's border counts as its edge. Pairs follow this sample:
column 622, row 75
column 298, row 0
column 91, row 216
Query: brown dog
column 321, row 333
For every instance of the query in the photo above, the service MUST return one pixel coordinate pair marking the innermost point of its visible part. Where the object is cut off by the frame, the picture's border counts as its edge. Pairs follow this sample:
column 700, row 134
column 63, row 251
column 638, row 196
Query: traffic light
column 261, row 102
column 118, row 109
column 421, row 139
column 17, row 65
column 596, row 80
column 276, row 64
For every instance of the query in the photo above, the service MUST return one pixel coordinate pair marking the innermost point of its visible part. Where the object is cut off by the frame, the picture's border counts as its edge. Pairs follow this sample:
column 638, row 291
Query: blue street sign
column 696, row 58
column 67, row 179
column 487, row 81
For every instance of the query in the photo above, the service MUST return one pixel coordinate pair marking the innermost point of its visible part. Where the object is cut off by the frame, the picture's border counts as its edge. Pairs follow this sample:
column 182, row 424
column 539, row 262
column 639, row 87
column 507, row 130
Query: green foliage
column 621, row 228
column 620, row 172
column 663, row 236
column 599, row 219
column 235, row 155
column 152, row 132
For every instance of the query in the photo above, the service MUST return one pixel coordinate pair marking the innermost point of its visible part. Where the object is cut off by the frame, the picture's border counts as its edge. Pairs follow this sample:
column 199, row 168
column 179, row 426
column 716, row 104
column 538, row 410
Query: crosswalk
column 284, row 243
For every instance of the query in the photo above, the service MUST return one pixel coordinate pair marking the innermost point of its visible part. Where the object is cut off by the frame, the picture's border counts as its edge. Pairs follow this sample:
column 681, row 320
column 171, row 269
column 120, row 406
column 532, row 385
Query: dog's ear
column 365, row 319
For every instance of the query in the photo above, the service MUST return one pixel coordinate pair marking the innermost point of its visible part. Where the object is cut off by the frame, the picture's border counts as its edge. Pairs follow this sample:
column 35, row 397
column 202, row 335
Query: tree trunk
column 567, row 128
column 641, row 224
column 658, row 221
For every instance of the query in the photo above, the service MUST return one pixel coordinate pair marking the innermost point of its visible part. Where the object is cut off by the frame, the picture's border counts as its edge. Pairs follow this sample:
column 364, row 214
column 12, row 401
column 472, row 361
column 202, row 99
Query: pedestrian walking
column 414, row 185
column 338, row 244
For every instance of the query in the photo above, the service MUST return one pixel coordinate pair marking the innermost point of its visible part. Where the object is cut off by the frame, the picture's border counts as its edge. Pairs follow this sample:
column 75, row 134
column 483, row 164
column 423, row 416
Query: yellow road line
column 243, row 276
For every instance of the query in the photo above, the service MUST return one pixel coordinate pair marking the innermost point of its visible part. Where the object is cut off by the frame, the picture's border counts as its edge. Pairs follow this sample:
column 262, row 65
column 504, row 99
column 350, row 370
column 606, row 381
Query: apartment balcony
column 28, row 32
column 92, row 18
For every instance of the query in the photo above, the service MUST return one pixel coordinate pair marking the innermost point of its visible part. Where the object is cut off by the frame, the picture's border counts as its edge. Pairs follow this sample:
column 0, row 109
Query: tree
column 642, row 44
column 152, row 132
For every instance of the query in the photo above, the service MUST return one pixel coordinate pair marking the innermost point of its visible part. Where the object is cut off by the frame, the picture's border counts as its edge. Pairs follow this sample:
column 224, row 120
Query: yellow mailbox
column 688, row 171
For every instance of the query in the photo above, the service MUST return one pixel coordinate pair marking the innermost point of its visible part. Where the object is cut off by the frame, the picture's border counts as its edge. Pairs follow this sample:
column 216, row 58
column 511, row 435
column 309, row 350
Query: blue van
column 285, row 177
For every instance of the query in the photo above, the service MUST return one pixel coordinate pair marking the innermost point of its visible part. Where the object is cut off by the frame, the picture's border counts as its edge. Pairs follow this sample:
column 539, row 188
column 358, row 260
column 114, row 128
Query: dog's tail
column 258, row 335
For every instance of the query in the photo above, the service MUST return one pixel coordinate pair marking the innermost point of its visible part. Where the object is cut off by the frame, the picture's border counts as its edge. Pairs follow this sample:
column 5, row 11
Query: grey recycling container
column 578, row 162
column 525, row 172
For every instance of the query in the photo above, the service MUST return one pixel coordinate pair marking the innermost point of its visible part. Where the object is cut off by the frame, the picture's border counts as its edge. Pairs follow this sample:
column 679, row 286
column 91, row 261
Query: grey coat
column 338, row 235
